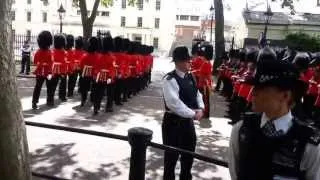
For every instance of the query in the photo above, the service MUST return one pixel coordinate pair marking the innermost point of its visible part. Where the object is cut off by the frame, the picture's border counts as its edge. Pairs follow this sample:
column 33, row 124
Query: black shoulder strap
column 307, row 131
column 169, row 75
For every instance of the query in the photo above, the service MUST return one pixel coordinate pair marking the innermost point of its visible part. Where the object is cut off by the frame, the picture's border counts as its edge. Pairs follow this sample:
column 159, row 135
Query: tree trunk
column 13, row 142
column 87, row 22
column 219, row 33
column 87, row 31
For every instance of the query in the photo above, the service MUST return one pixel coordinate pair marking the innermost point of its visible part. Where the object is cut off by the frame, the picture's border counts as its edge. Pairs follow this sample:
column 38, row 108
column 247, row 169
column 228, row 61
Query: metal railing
column 139, row 140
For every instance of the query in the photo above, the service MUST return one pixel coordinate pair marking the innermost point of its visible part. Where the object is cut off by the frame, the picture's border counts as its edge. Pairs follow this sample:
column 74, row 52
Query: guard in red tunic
column 78, row 53
column 204, row 77
column 125, row 69
column 150, row 62
column 105, row 75
column 43, row 61
column 87, row 64
column 59, row 69
column 119, row 84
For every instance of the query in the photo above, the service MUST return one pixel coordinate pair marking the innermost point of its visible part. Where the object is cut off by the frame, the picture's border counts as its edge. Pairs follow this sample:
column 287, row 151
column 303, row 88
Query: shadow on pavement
column 51, row 159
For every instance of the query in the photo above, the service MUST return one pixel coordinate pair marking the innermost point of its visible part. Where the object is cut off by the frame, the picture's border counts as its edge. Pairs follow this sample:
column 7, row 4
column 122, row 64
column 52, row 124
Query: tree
column 219, row 33
column 13, row 141
column 303, row 42
column 88, row 20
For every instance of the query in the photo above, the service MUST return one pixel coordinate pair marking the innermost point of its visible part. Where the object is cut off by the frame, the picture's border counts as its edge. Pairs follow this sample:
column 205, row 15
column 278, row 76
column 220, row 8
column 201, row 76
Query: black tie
column 269, row 130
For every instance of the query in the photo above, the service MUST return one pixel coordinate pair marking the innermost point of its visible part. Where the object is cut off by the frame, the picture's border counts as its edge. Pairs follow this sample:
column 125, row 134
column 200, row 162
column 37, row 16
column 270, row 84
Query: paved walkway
column 84, row 157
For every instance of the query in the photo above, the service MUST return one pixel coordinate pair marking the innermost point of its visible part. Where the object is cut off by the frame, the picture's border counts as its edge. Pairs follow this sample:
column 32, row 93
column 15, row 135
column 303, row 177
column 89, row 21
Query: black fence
column 139, row 140
column 18, row 41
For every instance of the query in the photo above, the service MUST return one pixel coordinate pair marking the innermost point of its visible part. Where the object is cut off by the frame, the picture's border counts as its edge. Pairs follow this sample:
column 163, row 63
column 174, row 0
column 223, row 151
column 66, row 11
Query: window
column 45, row 2
column 138, row 38
column 157, row 23
column 28, row 16
column 318, row 2
column 156, row 42
column 140, row 4
column 29, row 1
column 44, row 17
column 98, row 13
column 124, row 4
column 184, row 17
column 78, row 12
column 139, row 22
column 194, row 18
column 177, row 17
column 28, row 33
column 13, row 15
column 123, row 21
column 105, row 13
column 158, row 5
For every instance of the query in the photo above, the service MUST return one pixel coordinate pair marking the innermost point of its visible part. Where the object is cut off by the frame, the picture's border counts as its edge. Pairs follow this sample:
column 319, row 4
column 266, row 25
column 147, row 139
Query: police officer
column 183, row 103
column 43, row 61
column 271, row 143
column 26, row 52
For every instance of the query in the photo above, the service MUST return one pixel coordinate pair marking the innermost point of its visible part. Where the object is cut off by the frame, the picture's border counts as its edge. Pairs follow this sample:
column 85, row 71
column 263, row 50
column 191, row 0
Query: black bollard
column 139, row 139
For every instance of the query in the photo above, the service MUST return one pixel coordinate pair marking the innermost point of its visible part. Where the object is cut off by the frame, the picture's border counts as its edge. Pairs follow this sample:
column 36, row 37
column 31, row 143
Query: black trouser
column 63, row 87
column 98, row 93
column 206, row 100
column 25, row 64
column 72, row 81
column 149, row 77
column 53, row 86
column 110, row 95
column 126, row 89
column 219, row 81
column 85, row 83
column 37, row 89
column 178, row 132
column 118, row 90
column 130, row 86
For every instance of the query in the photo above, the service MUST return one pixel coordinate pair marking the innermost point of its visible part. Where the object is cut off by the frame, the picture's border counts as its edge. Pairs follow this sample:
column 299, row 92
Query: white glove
column 109, row 81
column 49, row 77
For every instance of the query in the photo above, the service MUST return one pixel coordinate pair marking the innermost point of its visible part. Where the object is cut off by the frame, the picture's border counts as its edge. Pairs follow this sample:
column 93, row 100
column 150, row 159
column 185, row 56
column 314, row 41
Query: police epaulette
column 168, row 76
column 311, row 132
column 315, row 137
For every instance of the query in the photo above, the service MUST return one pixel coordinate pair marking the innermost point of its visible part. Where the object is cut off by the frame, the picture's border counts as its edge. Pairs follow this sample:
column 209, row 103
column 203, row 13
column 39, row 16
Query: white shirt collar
column 282, row 123
column 180, row 73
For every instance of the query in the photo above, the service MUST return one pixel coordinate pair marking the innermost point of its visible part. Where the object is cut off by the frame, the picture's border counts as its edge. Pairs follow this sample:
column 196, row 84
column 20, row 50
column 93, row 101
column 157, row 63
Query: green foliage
column 303, row 42
column 289, row 4
column 107, row 3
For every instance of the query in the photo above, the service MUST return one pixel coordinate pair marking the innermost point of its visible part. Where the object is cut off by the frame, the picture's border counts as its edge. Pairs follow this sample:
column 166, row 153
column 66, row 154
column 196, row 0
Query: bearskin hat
column 107, row 44
column 93, row 44
column 117, row 44
column 125, row 44
column 79, row 42
column 59, row 41
column 70, row 41
column 44, row 40
column 301, row 61
column 251, row 55
column 208, row 52
column 266, row 54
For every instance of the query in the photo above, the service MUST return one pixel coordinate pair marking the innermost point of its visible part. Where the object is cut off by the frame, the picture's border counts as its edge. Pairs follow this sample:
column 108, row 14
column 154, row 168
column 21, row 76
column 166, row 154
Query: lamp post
column 268, row 15
column 211, row 23
column 61, row 12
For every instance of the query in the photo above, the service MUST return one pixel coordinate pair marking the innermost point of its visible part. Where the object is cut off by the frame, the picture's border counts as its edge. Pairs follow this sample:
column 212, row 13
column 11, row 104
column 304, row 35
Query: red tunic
column 87, row 64
column 70, row 61
column 105, row 68
column 78, row 54
column 43, row 61
column 59, row 62
column 133, row 65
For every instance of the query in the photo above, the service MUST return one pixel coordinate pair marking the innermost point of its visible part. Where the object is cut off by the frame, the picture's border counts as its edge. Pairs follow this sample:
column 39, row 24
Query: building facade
column 148, row 21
